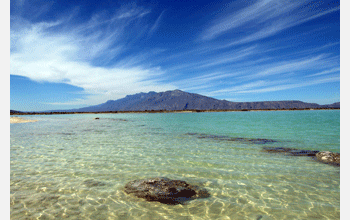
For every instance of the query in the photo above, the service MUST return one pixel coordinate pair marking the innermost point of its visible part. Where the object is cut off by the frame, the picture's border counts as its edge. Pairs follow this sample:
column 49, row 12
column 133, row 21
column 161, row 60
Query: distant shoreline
column 167, row 111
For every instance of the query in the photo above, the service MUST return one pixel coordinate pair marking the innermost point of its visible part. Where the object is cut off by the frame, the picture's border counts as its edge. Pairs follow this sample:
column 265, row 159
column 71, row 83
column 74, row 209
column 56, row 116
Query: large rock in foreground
column 165, row 190
column 329, row 157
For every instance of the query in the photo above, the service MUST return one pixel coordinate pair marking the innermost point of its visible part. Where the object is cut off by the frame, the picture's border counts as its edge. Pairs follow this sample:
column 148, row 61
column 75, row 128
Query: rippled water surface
column 75, row 167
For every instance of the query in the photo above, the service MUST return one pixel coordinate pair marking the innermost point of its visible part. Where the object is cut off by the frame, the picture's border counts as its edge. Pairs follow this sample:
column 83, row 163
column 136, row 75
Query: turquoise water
column 75, row 167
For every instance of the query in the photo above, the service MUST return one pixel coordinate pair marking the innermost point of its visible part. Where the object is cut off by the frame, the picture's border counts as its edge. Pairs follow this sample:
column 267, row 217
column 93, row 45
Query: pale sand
column 20, row 120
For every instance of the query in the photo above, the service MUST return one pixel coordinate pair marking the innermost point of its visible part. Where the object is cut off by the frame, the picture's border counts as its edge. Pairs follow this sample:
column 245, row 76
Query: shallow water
column 75, row 167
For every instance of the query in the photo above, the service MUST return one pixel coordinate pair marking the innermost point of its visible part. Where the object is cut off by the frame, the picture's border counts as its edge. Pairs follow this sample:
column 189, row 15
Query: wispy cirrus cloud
column 278, row 76
column 265, row 86
column 155, row 25
column 206, row 60
column 265, row 18
column 81, row 55
column 231, row 57
column 261, row 10
column 204, row 82
column 242, row 87
column 257, row 72
column 328, row 71
column 291, row 85
column 290, row 66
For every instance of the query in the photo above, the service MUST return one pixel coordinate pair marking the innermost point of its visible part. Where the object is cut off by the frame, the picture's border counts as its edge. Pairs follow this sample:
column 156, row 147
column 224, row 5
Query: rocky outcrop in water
column 329, row 158
column 165, row 190
column 324, row 156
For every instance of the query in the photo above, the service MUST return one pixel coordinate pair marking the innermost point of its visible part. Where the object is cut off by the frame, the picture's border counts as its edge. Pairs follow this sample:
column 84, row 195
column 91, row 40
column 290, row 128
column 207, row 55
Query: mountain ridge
column 175, row 100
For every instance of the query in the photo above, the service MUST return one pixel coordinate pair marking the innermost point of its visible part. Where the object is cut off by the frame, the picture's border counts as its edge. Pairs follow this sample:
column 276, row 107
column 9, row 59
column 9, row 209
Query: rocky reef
column 323, row 156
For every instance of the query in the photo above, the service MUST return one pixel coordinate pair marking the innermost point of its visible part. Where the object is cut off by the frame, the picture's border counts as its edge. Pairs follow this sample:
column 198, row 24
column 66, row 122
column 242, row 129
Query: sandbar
column 20, row 120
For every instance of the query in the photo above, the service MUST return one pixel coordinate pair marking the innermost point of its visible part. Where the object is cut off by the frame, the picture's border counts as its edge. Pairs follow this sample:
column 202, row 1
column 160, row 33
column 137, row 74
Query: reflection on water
column 75, row 167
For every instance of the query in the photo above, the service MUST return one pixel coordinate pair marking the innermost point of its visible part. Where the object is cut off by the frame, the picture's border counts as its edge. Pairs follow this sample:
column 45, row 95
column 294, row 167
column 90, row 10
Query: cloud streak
column 265, row 18
column 290, row 66
column 155, row 25
column 291, row 86
column 264, row 86
column 334, row 70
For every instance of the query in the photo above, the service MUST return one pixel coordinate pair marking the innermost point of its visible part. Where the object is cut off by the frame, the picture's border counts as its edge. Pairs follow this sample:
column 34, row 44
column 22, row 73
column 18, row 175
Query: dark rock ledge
column 290, row 151
column 165, row 190
column 323, row 156
column 227, row 138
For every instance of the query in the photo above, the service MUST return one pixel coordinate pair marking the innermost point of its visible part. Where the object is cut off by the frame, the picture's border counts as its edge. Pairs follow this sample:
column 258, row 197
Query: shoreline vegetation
column 167, row 111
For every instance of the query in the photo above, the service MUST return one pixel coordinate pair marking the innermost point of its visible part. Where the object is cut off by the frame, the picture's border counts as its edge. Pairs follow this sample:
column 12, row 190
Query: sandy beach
column 20, row 120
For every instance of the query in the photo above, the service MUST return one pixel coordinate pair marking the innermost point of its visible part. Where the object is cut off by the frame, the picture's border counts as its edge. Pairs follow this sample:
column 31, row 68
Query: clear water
column 75, row 167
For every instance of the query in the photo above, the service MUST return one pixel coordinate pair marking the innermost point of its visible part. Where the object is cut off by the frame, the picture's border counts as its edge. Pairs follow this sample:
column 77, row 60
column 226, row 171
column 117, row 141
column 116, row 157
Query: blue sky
column 69, row 54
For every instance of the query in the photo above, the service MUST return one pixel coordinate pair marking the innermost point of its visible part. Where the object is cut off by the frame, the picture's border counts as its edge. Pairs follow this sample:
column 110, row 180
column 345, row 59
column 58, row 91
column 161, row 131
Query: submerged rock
column 191, row 133
column 329, row 158
column 278, row 149
column 165, row 190
column 227, row 138
column 252, row 140
column 119, row 119
column 309, row 153
column 291, row 151
column 47, row 198
column 92, row 183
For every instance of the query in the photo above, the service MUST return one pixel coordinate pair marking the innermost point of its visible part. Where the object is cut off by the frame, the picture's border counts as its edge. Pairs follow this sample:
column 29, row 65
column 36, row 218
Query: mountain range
column 180, row 100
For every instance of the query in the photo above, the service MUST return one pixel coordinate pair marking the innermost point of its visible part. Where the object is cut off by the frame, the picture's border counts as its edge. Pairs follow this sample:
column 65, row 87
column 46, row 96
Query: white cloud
column 67, row 55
